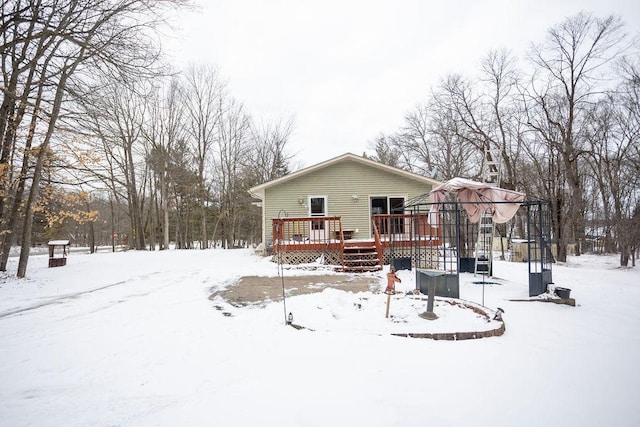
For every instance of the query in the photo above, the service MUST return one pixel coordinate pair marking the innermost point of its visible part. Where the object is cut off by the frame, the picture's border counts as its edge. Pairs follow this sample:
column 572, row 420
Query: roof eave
column 258, row 190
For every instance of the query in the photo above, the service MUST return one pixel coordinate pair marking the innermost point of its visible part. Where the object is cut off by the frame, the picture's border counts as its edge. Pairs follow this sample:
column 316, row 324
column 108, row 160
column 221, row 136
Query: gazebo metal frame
column 456, row 241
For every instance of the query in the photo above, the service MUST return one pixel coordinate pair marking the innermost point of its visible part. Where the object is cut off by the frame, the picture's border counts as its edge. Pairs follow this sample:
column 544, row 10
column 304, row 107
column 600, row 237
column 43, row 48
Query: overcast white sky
column 348, row 70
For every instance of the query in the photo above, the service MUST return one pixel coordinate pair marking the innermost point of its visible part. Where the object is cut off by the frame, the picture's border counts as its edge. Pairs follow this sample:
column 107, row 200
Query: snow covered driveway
column 132, row 339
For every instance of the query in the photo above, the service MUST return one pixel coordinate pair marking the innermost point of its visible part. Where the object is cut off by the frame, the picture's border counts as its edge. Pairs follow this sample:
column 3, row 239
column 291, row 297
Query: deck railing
column 378, row 242
column 294, row 233
column 405, row 228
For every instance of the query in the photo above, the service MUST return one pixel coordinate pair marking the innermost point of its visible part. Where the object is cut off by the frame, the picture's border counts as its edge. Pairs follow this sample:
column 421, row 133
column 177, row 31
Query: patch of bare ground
column 256, row 289
column 251, row 290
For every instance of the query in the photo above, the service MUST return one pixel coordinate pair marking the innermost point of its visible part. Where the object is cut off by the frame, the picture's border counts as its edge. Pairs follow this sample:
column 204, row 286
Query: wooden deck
column 319, row 235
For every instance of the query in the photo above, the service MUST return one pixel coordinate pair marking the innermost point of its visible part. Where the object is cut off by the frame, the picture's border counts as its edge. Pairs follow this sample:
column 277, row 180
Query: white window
column 317, row 205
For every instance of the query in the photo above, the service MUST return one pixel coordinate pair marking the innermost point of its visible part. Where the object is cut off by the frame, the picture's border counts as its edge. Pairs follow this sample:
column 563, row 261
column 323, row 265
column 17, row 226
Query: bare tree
column 204, row 93
column 165, row 130
column 484, row 114
column 569, row 66
column 115, row 115
column 270, row 159
column 232, row 151
column 54, row 48
column 429, row 142
column 557, row 133
column 501, row 116
column 413, row 143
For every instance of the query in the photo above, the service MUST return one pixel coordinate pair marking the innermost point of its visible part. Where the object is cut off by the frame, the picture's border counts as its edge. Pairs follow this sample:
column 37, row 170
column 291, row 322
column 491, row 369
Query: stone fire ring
column 255, row 289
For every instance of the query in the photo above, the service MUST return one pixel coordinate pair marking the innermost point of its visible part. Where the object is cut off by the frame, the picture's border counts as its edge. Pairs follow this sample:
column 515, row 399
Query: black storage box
column 563, row 292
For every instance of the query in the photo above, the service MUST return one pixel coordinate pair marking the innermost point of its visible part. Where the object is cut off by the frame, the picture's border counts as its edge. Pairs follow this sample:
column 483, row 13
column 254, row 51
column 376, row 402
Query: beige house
column 338, row 209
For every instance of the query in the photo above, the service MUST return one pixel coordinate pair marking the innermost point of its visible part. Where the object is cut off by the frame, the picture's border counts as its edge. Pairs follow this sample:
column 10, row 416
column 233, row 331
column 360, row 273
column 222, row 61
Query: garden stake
column 388, row 302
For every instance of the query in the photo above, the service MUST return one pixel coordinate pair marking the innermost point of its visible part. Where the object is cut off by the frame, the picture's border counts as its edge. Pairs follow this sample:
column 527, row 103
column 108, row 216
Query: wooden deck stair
column 360, row 256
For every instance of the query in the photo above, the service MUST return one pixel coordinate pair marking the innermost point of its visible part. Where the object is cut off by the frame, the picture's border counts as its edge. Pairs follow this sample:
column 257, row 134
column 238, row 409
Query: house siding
column 338, row 182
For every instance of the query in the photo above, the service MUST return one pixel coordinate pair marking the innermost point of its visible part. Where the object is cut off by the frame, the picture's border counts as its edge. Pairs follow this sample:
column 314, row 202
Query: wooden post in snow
column 388, row 302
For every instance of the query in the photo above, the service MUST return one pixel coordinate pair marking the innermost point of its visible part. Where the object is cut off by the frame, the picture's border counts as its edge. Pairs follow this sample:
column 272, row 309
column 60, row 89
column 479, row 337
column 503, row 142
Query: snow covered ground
column 133, row 339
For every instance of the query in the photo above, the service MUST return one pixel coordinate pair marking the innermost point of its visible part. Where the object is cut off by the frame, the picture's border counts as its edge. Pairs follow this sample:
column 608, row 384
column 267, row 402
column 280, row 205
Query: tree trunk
column 37, row 173
column 203, row 226
column 164, row 196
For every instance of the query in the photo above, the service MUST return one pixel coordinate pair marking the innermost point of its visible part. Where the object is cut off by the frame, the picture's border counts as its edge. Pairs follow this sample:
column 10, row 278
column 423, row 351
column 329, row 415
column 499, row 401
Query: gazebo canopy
column 475, row 197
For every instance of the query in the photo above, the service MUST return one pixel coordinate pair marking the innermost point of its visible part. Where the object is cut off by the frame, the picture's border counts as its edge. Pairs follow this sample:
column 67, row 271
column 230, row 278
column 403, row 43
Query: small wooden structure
column 58, row 259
